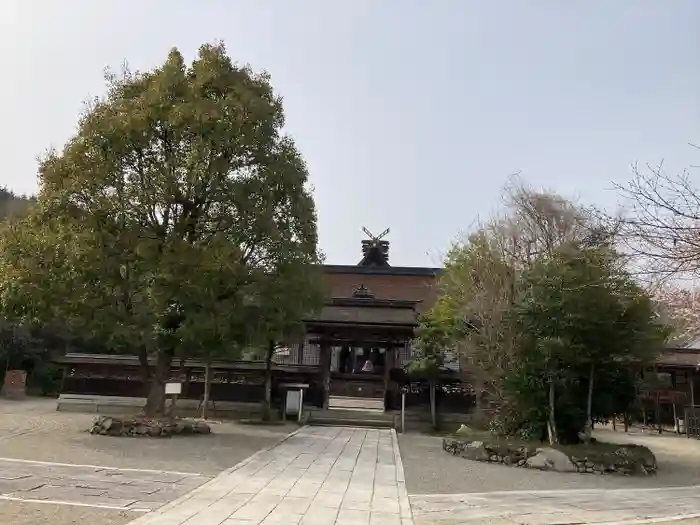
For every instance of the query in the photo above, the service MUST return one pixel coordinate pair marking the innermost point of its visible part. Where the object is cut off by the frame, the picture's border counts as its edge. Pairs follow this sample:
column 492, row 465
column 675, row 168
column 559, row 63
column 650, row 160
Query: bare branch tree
column 661, row 226
column 536, row 223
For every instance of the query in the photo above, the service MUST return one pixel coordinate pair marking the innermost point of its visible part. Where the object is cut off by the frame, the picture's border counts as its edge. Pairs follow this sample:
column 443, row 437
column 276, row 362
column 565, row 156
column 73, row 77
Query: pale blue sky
column 411, row 114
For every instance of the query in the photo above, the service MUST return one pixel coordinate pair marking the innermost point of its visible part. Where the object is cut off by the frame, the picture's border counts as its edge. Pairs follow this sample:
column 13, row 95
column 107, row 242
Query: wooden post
column 63, row 379
column 325, row 363
column 389, row 359
column 675, row 418
column 403, row 410
column 691, row 379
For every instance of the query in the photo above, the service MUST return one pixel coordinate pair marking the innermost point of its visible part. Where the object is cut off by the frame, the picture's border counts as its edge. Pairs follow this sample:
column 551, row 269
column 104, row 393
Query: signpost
column 293, row 400
column 172, row 390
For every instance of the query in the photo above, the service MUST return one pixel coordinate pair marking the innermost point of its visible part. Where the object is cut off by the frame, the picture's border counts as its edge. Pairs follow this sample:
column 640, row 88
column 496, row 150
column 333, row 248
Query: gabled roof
column 376, row 315
column 363, row 308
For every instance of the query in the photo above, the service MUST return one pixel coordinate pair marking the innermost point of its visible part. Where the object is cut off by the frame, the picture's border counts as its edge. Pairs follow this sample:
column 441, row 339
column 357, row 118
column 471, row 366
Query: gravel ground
column 429, row 470
column 17, row 513
column 33, row 430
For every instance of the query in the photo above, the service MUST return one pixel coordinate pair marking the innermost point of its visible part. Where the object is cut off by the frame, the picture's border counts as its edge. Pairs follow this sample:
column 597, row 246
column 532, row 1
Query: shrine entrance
column 359, row 338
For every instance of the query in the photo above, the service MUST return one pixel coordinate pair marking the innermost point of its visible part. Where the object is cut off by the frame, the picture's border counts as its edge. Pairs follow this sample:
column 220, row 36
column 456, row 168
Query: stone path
column 556, row 507
column 121, row 489
column 317, row 476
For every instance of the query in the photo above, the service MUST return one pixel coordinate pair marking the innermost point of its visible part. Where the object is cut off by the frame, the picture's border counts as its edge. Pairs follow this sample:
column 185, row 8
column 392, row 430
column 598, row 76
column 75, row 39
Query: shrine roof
column 680, row 357
column 381, row 270
column 374, row 315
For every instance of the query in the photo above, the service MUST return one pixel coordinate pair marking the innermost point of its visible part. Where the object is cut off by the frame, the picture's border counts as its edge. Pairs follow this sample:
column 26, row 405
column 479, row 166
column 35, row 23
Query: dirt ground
column 33, row 430
column 20, row 513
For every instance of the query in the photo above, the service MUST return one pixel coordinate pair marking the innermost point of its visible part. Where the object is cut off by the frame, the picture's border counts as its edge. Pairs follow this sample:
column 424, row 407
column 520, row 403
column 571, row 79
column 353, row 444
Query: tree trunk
column 267, row 408
column 433, row 405
column 588, row 429
column 551, row 423
column 626, row 421
column 155, row 403
column 479, row 401
column 207, row 389
column 144, row 369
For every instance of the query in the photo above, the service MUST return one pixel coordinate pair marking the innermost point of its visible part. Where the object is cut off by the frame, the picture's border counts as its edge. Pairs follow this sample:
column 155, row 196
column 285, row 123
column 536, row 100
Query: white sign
column 173, row 389
column 293, row 400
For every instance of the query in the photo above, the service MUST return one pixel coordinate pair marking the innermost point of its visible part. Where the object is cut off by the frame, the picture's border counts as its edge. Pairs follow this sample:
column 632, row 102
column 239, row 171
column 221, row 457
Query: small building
column 670, row 386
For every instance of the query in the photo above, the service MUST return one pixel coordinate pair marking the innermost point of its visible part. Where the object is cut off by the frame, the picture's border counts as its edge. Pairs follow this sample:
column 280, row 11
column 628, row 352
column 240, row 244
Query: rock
column 463, row 429
column 138, row 426
column 475, row 451
column 453, row 446
column 551, row 459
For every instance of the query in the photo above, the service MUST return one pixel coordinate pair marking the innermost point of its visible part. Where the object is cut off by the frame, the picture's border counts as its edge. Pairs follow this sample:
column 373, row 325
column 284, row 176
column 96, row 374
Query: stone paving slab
column 127, row 489
column 556, row 507
column 317, row 476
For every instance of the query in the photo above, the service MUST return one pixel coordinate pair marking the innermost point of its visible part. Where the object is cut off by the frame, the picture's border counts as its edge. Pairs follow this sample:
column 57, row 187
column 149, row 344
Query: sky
column 412, row 115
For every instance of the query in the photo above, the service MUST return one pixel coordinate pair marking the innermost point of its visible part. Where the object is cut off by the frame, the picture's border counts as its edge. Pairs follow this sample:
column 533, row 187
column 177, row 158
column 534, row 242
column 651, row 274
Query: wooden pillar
column 389, row 360
column 691, row 380
column 64, row 374
column 324, row 360
column 300, row 353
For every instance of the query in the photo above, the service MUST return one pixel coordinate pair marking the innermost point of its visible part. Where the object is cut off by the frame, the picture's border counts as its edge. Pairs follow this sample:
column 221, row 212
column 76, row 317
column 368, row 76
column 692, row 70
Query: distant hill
column 12, row 204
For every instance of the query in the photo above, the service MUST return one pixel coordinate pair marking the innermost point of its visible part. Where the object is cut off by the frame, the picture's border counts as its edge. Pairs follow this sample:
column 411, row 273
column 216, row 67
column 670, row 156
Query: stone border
column 549, row 458
column 404, row 502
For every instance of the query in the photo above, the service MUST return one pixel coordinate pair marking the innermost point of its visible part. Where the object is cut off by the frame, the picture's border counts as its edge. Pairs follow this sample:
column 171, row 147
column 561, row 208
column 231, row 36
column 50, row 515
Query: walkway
column 554, row 507
column 317, row 476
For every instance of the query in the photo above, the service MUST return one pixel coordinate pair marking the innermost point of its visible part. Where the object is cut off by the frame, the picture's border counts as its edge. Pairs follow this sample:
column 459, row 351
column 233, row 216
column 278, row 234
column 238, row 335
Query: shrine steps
column 352, row 412
column 350, row 418
column 369, row 404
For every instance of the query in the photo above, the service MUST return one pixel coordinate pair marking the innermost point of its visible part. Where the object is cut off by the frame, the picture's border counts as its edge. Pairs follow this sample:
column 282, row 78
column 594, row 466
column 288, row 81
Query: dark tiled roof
column 381, row 270
column 366, row 315
column 680, row 357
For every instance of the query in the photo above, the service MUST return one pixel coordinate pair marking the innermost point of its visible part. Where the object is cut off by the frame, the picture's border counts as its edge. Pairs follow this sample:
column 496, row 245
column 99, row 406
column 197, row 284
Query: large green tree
column 581, row 315
column 157, row 222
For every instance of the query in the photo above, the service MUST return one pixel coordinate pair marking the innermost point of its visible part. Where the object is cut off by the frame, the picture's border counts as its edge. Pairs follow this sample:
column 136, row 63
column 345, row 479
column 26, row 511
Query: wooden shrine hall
column 365, row 329
column 352, row 344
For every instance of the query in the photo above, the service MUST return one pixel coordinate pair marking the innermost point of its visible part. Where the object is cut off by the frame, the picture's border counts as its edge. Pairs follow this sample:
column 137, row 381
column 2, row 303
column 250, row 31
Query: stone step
column 360, row 403
column 350, row 413
column 341, row 422
column 350, row 418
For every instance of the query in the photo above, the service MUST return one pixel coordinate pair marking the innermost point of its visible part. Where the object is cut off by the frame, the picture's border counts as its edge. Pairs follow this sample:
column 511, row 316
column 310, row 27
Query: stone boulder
column 139, row 426
column 551, row 459
column 476, row 451
column 463, row 430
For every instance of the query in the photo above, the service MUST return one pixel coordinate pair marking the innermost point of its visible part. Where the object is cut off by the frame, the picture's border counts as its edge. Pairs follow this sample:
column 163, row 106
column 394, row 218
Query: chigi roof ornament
column 375, row 250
